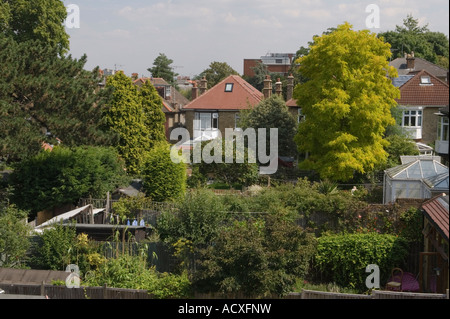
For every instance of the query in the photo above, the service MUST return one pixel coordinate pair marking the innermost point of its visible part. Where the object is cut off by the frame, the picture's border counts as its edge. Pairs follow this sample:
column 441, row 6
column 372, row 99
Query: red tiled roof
column 415, row 93
column 437, row 211
column 292, row 103
column 242, row 95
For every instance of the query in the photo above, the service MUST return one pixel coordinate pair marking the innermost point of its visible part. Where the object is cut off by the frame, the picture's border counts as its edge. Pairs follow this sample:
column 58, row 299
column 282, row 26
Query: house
column 275, row 62
column 173, row 102
column 212, row 111
column 441, row 144
column 411, row 65
column 434, row 259
column 420, row 178
column 422, row 95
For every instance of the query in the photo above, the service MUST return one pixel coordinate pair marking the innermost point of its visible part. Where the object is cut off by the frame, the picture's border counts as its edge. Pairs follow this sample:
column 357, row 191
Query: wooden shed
column 434, row 259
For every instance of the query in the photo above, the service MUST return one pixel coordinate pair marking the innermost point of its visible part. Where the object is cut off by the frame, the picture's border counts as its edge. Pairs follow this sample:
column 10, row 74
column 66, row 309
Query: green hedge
column 343, row 259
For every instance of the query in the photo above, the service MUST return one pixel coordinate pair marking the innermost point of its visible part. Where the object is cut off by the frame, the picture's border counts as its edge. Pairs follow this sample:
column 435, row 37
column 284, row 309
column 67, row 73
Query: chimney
column 279, row 87
column 203, row 85
column 194, row 91
column 290, row 87
column 267, row 90
column 410, row 59
column 134, row 76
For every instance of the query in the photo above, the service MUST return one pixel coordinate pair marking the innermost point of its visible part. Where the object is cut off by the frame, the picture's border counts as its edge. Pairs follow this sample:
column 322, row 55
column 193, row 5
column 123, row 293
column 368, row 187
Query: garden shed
column 418, row 179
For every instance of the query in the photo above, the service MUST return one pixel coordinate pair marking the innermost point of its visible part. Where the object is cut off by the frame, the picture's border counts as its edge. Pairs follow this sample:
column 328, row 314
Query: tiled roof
column 241, row 97
column 436, row 210
column 292, row 103
column 415, row 93
column 419, row 65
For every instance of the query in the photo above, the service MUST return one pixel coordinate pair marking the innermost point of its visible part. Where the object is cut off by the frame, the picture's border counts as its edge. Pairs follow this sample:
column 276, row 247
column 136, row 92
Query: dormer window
column 229, row 87
column 425, row 80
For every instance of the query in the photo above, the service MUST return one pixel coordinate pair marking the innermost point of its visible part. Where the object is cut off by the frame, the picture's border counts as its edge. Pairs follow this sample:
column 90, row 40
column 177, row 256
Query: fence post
column 43, row 288
column 105, row 291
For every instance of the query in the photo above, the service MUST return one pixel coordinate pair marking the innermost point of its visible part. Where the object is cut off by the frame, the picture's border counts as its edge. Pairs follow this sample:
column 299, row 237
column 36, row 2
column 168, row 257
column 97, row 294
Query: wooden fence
column 376, row 294
column 62, row 292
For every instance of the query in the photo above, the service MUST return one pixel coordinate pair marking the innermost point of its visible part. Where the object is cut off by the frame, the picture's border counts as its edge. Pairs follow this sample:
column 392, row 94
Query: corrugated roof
column 242, row 96
column 436, row 209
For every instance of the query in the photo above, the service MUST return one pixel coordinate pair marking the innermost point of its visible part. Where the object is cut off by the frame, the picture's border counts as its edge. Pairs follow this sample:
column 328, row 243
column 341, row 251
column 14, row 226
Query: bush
column 163, row 180
column 342, row 259
column 256, row 257
column 132, row 272
column 64, row 175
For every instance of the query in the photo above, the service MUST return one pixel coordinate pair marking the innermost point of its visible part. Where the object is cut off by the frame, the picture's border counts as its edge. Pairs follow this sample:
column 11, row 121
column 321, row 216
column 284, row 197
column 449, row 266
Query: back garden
column 266, row 242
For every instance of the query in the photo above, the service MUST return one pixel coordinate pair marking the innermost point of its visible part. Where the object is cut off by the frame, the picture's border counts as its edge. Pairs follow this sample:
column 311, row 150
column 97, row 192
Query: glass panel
column 406, row 121
column 413, row 121
column 419, row 121
column 205, row 119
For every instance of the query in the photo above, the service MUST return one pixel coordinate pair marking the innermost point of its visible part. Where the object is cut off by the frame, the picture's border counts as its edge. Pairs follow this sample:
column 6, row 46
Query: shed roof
column 30, row 276
column 436, row 210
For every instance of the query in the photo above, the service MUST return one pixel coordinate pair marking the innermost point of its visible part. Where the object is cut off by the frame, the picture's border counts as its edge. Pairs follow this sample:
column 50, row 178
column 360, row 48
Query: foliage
column 255, row 257
column 132, row 272
column 136, row 116
column 41, row 20
column 244, row 173
column 162, row 69
column 346, row 103
column 54, row 249
column 64, row 175
column 216, row 72
column 410, row 37
column 412, row 221
column 46, row 98
column 14, row 233
column 342, row 259
column 273, row 113
column 129, row 207
column 197, row 219
column 162, row 178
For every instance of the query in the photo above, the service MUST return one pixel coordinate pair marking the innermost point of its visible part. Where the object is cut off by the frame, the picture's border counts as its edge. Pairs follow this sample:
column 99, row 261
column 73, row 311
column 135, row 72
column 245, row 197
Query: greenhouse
column 420, row 179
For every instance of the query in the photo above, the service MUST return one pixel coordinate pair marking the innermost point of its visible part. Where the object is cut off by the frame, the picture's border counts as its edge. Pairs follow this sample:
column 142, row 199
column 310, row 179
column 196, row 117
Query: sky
column 129, row 35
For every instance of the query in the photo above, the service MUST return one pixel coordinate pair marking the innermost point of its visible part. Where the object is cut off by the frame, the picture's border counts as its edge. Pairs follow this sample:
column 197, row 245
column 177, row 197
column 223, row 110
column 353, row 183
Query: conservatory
column 421, row 178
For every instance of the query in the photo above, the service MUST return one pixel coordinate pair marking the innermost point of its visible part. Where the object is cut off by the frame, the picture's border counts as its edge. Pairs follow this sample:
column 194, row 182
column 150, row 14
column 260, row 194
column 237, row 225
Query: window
column 412, row 118
column 443, row 129
column 300, row 116
column 237, row 118
column 278, row 61
column 206, row 121
column 425, row 80
column 229, row 87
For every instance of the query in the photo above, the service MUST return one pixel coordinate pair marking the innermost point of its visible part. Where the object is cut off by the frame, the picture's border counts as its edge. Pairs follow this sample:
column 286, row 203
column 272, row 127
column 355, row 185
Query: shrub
column 163, row 179
column 255, row 257
column 342, row 259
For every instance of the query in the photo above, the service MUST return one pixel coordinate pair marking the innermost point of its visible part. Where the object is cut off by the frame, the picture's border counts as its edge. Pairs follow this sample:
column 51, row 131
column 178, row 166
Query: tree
column 216, row 72
column 162, row 69
column 163, row 179
column 63, row 176
column 244, row 173
column 136, row 116
column 44, row 97
column 273, row 113
column 410, row 37
column 41, row 20
column 346, row 103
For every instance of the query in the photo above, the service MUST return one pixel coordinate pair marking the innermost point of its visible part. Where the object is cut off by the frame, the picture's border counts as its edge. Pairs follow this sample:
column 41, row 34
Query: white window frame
column 443, row 129
column 413, row 115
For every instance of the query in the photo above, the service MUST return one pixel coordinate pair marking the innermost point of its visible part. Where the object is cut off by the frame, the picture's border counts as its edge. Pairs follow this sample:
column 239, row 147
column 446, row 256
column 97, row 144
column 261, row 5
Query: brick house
column 173, row 102
column 421, row 98
column 212, row 111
